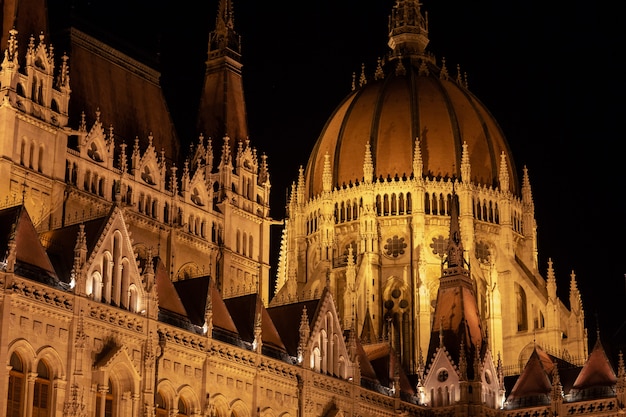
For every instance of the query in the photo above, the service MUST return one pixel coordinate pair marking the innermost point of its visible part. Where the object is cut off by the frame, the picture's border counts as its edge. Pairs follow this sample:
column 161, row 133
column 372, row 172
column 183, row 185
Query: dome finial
column 408, row 29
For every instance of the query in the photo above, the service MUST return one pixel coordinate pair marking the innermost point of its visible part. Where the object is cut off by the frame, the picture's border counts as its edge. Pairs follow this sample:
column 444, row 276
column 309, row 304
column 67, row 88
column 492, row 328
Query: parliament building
column 136, row 277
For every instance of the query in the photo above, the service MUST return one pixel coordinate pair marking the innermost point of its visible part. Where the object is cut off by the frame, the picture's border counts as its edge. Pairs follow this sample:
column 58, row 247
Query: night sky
column 550, row 73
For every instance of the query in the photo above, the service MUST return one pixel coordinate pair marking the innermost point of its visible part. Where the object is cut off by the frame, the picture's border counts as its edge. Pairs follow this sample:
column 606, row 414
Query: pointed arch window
column 161, row 406
column 183, row 410
column 104, row 400
column 15, row 400
column 522, row 311
column 42, row 391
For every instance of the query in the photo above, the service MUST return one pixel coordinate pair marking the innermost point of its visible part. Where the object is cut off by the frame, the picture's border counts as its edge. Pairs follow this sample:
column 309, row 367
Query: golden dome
column 411, row 98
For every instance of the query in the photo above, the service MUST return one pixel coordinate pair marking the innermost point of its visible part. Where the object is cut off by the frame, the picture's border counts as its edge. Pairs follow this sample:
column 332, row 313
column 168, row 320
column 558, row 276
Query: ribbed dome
column 412, row 98
column 391, row 113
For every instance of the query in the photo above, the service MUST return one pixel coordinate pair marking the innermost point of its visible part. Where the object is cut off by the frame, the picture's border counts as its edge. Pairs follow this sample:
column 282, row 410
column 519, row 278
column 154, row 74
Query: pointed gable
column 29, row 257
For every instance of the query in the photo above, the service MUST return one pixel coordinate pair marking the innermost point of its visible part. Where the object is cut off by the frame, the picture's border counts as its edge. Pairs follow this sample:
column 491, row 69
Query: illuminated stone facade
column 134, row 286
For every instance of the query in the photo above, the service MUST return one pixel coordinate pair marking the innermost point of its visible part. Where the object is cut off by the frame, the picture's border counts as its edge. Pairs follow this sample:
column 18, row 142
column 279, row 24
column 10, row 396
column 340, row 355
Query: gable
column 111, row 270
column 326, row 332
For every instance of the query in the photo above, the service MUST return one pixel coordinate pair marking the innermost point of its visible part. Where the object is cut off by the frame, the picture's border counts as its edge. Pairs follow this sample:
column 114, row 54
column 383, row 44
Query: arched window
column 133, row 299
column 15, row 399
column 250, row 246
column 125, row 289
column 161, row 406
column 96, row 286
column 104, row 399
column 31, row 155
column 182, row 408
column 107, row 265
column 23, row 153
column 522, row 312
column 40, row 163
column 42, row 391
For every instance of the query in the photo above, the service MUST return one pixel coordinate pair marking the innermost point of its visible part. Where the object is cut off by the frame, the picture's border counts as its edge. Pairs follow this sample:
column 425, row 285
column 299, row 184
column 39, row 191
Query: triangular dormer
column 111, row 271
column 441, row 384
column 198, row 192
column 327, row 349
column 148, row 170
column 95, row 145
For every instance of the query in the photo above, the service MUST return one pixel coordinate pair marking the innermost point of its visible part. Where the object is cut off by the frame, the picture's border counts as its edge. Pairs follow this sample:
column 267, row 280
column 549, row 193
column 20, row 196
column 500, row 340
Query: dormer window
column 147, row 176
column 195, row 198
column 94, row 153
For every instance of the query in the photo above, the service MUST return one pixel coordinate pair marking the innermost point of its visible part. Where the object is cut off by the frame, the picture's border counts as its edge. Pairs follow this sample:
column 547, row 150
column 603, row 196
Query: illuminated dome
column 410, row 98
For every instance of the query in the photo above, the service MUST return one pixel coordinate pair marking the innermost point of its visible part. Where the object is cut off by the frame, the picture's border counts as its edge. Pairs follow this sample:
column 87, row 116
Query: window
column 16, row 387
column 395, row 246
column 182, row 408
column 522, row 312
column 104, row 398
column 41, row 397
column 161, row 407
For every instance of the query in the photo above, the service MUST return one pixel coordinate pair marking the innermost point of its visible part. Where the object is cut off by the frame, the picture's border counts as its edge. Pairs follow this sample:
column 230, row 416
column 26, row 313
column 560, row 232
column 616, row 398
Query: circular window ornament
column 442, row 376
column 395, row 246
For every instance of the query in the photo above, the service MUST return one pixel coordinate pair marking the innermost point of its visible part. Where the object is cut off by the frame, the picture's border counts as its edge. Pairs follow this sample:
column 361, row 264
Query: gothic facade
column 135, row 278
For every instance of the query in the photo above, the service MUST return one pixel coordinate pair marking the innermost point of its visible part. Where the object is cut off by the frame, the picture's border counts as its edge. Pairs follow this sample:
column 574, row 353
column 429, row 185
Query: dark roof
column 597, row 370
column 286, row 319
column 385, row 363
column 193, row 294
column 243, row 310
column 60, row 243
column 31, row 259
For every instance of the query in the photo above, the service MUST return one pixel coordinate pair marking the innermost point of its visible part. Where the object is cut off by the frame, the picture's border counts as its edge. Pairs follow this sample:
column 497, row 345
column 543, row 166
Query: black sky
column 550, row 73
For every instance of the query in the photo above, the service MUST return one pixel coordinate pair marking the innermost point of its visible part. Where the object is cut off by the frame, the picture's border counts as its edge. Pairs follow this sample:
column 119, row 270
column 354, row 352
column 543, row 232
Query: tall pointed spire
column 455, row 261
column 408, row 29
column 457, row 324
column 418, row 162
column 368, row 164
column 222, row 109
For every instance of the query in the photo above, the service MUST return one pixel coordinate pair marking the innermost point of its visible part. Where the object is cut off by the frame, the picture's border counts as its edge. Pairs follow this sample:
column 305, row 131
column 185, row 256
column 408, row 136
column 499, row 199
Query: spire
column 304, row 335
column 455, row 258
column 574, row 295
column 466, row 168
column 222, row 105
column 224, row 37
column 551, row 284
column 418, row 162
column 527, row 196
column 408, row 29
column 368, row 165
column 300, row 187
column 457, row 324
column 327, row 177
column 503, row 176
